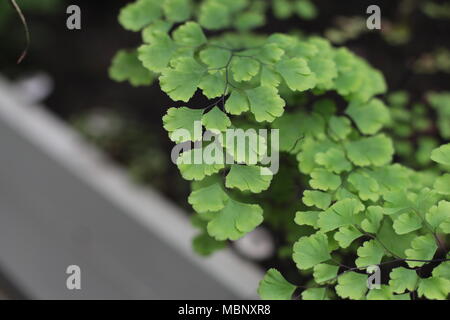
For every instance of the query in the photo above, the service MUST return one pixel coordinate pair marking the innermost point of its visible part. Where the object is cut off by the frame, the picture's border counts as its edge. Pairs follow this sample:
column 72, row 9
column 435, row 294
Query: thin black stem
column 27, row 32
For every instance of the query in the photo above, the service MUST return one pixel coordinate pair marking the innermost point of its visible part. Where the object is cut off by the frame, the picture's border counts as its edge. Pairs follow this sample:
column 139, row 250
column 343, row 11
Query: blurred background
column 67, row 73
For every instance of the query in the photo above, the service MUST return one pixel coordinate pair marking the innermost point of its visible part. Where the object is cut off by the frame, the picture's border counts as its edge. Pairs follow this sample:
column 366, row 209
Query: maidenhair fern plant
column 341, row 201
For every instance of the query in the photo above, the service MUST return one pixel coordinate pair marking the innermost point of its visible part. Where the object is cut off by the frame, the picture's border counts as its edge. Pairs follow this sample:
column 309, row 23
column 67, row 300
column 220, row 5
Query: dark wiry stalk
column 25, row 25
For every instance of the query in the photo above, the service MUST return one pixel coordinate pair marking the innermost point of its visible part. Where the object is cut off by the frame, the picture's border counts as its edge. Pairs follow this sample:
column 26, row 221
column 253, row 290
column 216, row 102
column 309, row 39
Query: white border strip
column 150, row 209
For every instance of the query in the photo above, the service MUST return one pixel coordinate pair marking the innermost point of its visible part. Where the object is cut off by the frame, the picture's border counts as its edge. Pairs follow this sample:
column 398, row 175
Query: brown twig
column 25, row 25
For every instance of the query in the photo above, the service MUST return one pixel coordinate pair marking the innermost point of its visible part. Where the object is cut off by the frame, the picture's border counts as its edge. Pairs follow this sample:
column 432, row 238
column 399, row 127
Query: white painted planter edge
column 172, row 226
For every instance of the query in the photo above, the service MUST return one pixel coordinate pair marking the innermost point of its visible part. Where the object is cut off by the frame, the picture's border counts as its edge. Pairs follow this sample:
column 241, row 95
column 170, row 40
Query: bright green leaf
column 323, row 69
column 211, row 198
column 422, row 248
column 189, row 34
column 383, row 293
column 126, row 66
column 308, row 218
column 320, row 199
column 407, row 222
column 244, row 69
column 395, row 243
column 434, row 288
column 135, row 16
column 334, row 160
column 265, row 103
column 156, row 56
column 269, row 78
column 275, row 287
column 237, row 103
column 324, row 180
column 342, row 213
column 391, row 177
column 215, row 120
column 366, row 186
column 181, row 81
column 297, row 74
column 185, row 119
column 311, row 250
column 377, row 150
column 370, row 116
column 442, row 270
column 235, row 220
column 249, row 20
column 346, row 235
column 310, row 149
column 397, row 202
column 372, row 222
column 403, row 279
column 270, row 53
column 214, row 15
column 339, row 127
column 439, row 217
column 191, row 171
column 315, row 294
column 295, row 128
column 213, row 85
column 248, row 178
column 215, row 58
column 442, row 154
column 155, row 30
column 442, row 184
column 352, row 285
column 177, row 10
column 325, row 272
column 370, row 253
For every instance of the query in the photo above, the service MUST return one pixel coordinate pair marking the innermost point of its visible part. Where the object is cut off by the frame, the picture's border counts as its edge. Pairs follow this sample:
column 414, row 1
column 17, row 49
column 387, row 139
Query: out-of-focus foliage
column 436, row 10
column 127, row 142
column 7, row 12
column 433, row 62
